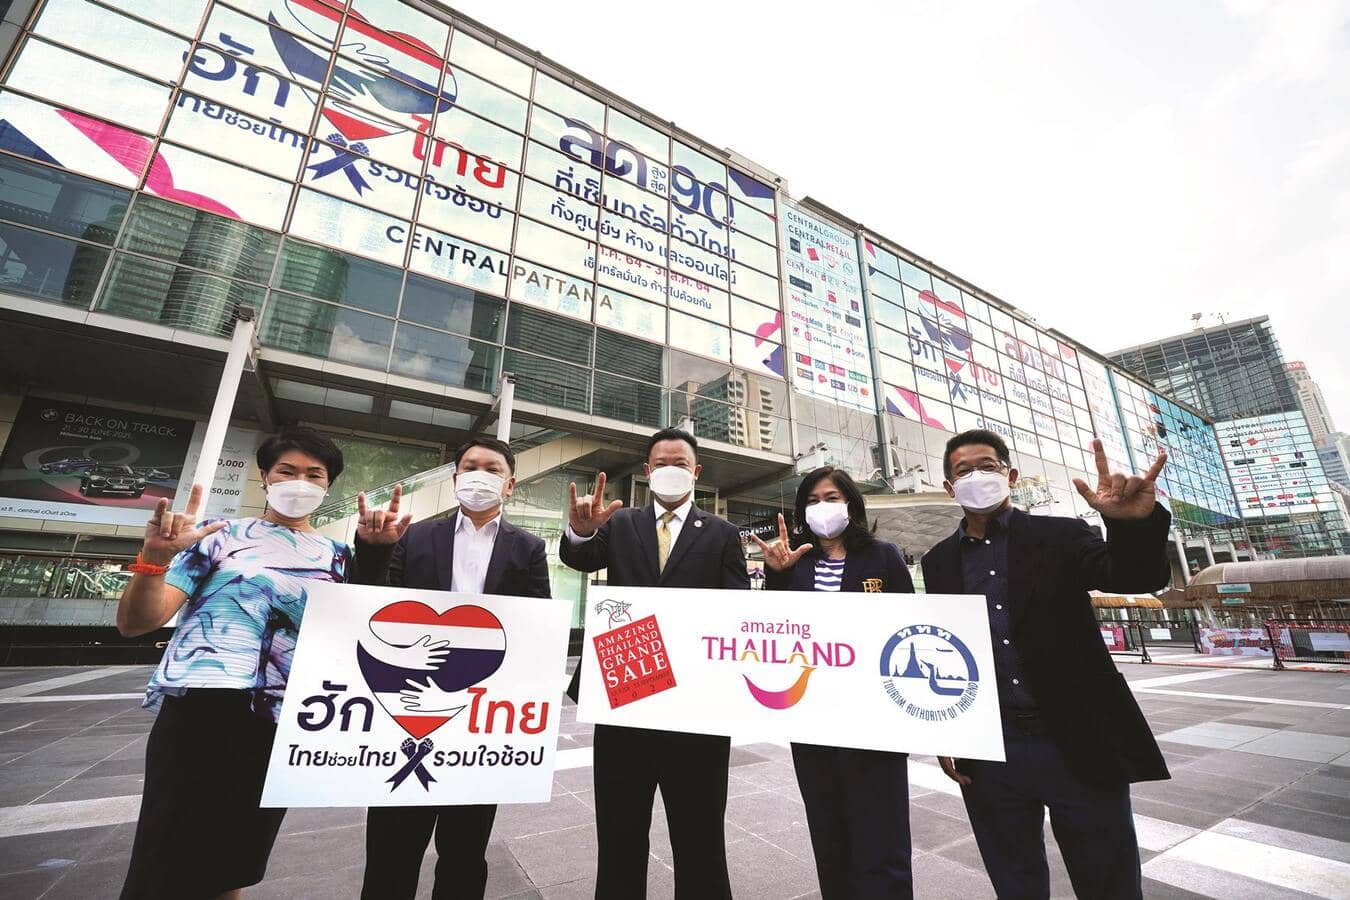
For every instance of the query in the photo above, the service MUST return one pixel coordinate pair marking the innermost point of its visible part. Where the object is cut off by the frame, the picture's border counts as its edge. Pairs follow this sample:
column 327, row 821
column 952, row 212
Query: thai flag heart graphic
column 442, row 653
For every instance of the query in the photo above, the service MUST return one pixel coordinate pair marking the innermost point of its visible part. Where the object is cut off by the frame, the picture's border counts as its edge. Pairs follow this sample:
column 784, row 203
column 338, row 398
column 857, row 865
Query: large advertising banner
column 877, row 672
column 233, row 465
column 420, row 698
column 825, row 307
column 79, row 462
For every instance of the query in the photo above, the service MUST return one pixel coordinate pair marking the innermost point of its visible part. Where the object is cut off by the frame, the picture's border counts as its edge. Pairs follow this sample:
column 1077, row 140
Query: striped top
column 829, row 574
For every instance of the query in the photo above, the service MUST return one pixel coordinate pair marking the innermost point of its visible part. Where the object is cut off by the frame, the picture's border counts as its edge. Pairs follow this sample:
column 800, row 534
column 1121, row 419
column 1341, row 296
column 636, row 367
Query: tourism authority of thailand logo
column 929, row 673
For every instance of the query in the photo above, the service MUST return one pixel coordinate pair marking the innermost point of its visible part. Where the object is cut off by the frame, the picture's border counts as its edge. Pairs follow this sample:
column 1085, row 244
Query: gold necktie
column 663, row 540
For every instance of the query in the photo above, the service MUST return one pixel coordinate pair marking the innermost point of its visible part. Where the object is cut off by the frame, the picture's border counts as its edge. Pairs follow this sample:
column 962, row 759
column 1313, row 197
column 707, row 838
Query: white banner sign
column 233, row 465
column 420, row 698
column 910, row 673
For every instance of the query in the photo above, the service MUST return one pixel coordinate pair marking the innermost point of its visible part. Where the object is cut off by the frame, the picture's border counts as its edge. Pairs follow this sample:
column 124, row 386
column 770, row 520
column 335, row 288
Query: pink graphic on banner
column 915, row 407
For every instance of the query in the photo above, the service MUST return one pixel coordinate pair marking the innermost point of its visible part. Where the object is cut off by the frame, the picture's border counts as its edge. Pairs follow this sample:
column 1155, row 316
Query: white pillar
column 506, row 402
column 240, row 345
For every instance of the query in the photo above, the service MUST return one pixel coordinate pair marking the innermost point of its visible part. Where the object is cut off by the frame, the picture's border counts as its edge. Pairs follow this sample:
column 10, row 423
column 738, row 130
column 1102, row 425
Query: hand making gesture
column 381, row 526
column 1118, row 496
column 587, row 514
column 779, row 556
column 168, row 534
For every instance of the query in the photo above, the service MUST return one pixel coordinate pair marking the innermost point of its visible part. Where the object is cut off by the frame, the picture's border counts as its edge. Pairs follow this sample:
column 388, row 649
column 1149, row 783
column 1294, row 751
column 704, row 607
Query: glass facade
column 391, row 191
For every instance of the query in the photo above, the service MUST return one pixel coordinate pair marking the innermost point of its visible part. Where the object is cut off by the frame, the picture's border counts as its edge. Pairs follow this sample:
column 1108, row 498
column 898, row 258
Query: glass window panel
column 552, row 290
column 751, row 221
column 753, row 318
column 368, row 182
column 896, row 372
column 462, row 213
column 490, row 146
column 467, row 50
column 452, row 308
column 708, row 206
column 882, row 260
column 616, row 268
column 700, row 336
column 57, row 201
column 626, row 313
column 191, row 237
column 239, row 43
column 455, row 259
column 891, row 316
column 746, row 190
column 567, row 100
column 394, row 24
column 337, row 126
column 182, row 16
column 560, row 210
column 695, row 263
column 219, row 187
column 698, row 164
column 633, row 203
column 699, row 299
column 260, row 92
column 562, row 172
column 756, row 354
column 577, row 141
column 915, row 277
column 556, row 248
column 622, row 354
column 265, row 145
column 309, row 19
column 174, row 296
column 946, row 291
column 486, row 99
column 47, row 267
column 755, row 285
column 629, row 401
column 312, row 328
column 103, row 33
column 645, row 139
column 633, row 238
column 882, row 285
column 48, row 134
column 79, row 82
column 548, row 381
column 747, row 250
column 333, row 275
column 690, row 373
column 329, row 220
column 443, row 358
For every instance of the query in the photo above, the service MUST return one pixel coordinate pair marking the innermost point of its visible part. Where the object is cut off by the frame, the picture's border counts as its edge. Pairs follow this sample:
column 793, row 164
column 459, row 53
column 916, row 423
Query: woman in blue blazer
column 857, row 801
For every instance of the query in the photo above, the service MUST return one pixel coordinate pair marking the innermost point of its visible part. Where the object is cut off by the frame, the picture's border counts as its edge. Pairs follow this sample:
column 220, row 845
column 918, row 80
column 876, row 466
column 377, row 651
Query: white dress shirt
column 681, row 514
column 473, row 551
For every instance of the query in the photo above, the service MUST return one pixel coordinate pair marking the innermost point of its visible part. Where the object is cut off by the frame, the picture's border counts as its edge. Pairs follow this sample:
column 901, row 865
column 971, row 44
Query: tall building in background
column 1313, row 403
column 1236, row 373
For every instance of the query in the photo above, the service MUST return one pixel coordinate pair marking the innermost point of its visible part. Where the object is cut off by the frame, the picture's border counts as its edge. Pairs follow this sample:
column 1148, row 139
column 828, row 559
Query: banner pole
column 214, row 439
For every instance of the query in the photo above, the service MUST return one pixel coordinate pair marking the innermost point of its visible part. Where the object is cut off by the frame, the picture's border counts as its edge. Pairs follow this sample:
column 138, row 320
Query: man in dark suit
column 668, row 543
column 1074, row 737
column 476, row 551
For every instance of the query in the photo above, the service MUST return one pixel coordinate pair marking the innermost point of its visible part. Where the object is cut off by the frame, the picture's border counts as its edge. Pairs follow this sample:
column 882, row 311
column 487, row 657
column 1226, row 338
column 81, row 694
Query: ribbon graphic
column 344, row 160
column 416, row 753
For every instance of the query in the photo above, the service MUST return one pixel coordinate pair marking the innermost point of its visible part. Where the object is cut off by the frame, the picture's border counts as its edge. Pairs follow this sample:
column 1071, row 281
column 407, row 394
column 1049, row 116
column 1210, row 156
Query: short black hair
column 974, row 436
column 856, row 535
column 307, row 441
column 672, row 434
column 492, row 444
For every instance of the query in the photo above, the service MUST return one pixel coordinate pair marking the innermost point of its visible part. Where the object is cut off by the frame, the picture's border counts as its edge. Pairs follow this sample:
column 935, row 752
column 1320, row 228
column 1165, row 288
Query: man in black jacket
column 476, row 551
column 669, row 543
column 1074, row 737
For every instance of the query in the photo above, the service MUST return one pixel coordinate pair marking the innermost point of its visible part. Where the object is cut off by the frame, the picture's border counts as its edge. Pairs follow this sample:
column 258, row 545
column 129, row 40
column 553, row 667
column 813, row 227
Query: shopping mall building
column 412, row 207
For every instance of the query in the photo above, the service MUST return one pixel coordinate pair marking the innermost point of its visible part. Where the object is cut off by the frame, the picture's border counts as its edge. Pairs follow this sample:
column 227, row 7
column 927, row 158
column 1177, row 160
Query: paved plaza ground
column 1258, row 807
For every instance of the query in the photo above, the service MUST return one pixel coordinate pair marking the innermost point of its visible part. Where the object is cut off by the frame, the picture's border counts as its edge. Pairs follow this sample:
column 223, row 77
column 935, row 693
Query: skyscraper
column 1313, row 403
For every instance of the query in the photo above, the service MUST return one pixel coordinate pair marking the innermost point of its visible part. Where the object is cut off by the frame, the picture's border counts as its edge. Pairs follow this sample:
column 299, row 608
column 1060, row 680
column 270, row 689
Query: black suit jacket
column 1052, row 564
column 880, row 560
column 707, row 554
column 424, row 558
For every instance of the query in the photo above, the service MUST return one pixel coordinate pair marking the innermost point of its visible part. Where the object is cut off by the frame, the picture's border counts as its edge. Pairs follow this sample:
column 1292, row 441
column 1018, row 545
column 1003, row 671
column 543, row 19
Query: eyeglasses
column 989, row 467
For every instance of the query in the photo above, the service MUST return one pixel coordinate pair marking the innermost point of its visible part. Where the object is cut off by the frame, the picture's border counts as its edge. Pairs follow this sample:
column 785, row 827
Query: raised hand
column 429, row 697
column 588, row 513
column 1119, row 496
column 167, row 534
column 424, row 655
column 779, row 556
column 381, row 526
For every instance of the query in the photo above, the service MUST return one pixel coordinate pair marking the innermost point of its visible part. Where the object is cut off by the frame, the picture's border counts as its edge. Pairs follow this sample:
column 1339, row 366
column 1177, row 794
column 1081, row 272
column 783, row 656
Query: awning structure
column 1125, row 601
column 1274, row 581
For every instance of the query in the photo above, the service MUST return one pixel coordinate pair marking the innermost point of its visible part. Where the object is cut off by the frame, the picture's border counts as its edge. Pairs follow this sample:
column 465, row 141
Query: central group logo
column 929, row 672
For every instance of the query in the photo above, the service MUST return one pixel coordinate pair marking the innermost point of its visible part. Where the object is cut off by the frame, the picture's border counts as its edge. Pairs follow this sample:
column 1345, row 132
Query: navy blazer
column 880, row 560
column 424, row 558
column 1085, row 703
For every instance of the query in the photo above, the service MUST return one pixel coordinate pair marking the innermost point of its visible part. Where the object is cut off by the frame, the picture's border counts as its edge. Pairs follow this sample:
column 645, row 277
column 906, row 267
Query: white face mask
column 479, row 490
column 981, row 492
column 827, row 520
column 296, row 498
column 671, row 483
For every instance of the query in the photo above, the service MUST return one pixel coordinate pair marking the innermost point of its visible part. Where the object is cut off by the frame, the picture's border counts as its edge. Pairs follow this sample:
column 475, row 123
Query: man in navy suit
column 1074, row 736
column 668, row 543
column 475, row 551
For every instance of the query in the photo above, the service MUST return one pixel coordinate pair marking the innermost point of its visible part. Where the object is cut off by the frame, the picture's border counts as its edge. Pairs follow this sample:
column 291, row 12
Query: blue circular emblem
column 929, row 672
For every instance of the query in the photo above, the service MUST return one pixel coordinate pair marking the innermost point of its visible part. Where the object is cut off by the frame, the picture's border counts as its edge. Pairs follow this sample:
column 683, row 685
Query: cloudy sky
column 1110, row 168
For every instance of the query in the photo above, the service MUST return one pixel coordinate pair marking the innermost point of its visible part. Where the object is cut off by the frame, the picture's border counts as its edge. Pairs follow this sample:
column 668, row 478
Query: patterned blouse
column 246, row 596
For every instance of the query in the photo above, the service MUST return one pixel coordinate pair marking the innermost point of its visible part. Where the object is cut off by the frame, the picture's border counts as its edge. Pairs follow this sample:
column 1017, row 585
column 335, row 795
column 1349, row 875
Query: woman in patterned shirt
column 857, row 801
column 240, row 589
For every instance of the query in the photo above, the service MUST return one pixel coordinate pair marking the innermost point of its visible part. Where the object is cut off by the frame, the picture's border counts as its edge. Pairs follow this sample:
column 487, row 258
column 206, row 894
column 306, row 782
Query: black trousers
column 396, row 841
column 691, row 771
column 857, row 809
column 1093, row 824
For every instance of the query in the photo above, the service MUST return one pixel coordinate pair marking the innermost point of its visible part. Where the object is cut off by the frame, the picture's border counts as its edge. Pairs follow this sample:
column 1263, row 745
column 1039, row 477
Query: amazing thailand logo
column 930, row 673
column 776, row 659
